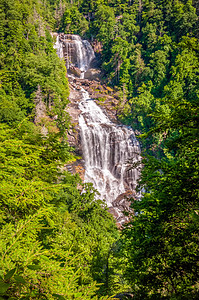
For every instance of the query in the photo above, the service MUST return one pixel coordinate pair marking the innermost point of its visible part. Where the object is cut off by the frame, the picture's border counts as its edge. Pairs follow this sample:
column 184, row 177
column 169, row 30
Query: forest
column 56, row 240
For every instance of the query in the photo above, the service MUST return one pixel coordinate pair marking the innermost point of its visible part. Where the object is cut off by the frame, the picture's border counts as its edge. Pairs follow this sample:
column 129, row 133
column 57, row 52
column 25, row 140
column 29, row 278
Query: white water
column 107, row 147
column 59, row 47
column 78, row 52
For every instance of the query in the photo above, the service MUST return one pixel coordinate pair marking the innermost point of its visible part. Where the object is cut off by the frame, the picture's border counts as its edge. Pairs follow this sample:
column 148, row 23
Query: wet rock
column 114, row 211
column 74, row 48
column 109, row 145
column 84, row 82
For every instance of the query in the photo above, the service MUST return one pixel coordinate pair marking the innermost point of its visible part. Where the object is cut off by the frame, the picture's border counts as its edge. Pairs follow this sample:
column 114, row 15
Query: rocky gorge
column 103, row 145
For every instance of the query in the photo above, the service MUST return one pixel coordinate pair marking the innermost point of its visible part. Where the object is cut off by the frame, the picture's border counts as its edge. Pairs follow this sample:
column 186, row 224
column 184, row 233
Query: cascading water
column 82, row 48
column 59, row 47
column 77, row 53
column 107, row 147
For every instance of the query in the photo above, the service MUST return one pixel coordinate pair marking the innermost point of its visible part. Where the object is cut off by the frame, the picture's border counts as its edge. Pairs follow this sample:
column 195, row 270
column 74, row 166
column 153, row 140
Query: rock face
column 105, row 146
column 77, row 53
column 40, row 107
column 93, row 74
column 79, row 56
column 40, row 111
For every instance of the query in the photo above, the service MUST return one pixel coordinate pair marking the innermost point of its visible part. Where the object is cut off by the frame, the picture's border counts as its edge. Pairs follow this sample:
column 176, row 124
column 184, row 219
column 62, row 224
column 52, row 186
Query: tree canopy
column 56, row 240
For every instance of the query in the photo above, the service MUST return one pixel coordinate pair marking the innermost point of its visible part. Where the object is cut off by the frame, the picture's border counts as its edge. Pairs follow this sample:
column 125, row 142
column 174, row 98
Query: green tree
column 161, row 240
column 74, row 22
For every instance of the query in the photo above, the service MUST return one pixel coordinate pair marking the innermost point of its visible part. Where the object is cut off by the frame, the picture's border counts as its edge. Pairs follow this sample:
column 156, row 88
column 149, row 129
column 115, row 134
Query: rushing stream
column 77, row 53
column 107, row 147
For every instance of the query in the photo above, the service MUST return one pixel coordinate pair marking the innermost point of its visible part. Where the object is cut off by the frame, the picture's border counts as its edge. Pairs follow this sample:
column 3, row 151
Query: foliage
column 37, row 272
column 57, row 241
column 150, row 51
column 54, row 237
column 73, row 21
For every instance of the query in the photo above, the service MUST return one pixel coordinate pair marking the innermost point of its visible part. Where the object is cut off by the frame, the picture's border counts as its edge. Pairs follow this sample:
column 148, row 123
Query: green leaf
column 19, row 279
column 44, row 257
column 4, row 287
column 9, row 274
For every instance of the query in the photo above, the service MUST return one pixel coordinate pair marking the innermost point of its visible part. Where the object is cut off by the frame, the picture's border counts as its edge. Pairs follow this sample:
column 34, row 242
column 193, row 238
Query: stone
column 109, row 171
column 75, row 71
column 93, row 74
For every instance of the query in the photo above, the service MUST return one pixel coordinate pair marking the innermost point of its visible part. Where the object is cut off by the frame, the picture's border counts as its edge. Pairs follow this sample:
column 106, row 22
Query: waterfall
column 78, row 53
column 106, row 146
column 59, row 47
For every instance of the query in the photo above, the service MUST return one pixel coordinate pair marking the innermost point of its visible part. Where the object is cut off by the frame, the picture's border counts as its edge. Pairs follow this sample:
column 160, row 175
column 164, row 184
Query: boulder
column 93, row 74
column 75, row 71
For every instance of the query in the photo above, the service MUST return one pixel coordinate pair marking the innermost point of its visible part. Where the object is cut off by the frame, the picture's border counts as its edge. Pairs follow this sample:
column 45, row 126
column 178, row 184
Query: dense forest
column 56, row 240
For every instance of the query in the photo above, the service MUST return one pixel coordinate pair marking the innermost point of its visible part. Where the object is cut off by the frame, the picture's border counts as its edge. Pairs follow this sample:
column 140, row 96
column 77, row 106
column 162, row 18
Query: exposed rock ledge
column 103, row 96
column 109, row 102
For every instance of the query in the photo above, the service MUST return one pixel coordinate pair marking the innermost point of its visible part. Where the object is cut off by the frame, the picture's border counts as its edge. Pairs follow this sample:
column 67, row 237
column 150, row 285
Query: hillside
column 56, row 240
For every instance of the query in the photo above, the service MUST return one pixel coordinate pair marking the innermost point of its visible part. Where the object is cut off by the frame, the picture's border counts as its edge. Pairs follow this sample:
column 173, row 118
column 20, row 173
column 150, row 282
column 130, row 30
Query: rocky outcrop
column 75, row 71
column 77, row 53
column 40, row 107
column 95, row 133
column 93, row 74
column 100, row 93
column 107, row 98
column 74, row 137
column 40, row 112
